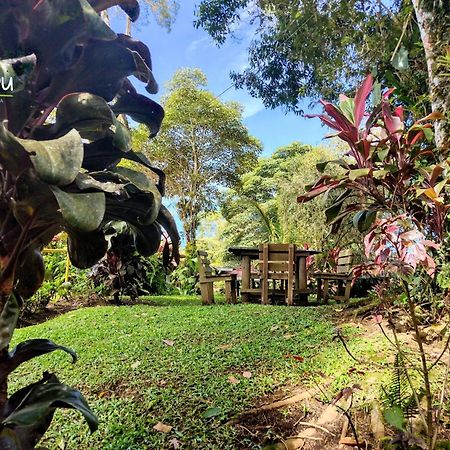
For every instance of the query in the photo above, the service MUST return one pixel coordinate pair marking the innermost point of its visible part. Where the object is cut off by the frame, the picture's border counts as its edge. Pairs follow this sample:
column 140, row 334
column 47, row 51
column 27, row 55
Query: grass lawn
column 132, row 379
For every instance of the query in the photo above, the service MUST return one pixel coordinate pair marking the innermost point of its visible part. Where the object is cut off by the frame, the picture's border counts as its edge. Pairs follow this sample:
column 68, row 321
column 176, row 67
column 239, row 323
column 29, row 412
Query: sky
column 186, row 46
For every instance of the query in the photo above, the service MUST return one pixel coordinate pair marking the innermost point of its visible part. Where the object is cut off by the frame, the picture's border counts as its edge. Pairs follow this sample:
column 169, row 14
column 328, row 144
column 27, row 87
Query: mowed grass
column 132, row 379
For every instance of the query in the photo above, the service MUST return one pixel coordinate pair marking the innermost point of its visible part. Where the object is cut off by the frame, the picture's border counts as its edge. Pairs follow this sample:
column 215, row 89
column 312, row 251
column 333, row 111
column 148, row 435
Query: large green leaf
column 13, row 156
column 8, row 321
column 358, row 173
column 166, row 220
column 147, row 239
column 92, row 117
column 18, row 70
column 143, row 184
column 143, row 61
column 57, row 161
column 81, row 212
column 85, row 249
column 131, row 7
column 30, row 349
column 29, row 411
column 114, row 61
column 30, row 274
column 139, row 108
column 363, row 220
column 394, row 417
column 322, row 165
column 47, row 397
column 332, row 212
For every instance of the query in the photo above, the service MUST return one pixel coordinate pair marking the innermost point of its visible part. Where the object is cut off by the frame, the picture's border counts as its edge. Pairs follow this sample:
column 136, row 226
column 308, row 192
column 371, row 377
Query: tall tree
column 202, row 146
column 164, row 12
column 318, row 49
column 433, row 17
column 264, row 208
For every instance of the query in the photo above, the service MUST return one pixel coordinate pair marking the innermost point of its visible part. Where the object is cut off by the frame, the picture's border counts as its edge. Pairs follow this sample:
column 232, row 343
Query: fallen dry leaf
column 233, row 380
column 175, row 443
column 102, row 394
column 162, row 427
column 135, row 365
column 224, row 347
column 296, row 357
column 247, row 374
column 168, row 342
column 288, row 336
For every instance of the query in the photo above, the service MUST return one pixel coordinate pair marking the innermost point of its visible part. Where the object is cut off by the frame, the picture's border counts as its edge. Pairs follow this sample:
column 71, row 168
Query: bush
column 185, row 277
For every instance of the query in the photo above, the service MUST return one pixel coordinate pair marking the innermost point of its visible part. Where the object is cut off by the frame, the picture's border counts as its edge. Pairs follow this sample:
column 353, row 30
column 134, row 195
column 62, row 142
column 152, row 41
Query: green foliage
column 264, row 207
column 318, row 49
column 185, row 277
column 397, row 396
column 202, row 146
column 123, row 271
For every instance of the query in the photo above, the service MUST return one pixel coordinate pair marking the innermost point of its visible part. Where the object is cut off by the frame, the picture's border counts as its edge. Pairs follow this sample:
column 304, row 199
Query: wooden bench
column 342, row 277
column 208, row 277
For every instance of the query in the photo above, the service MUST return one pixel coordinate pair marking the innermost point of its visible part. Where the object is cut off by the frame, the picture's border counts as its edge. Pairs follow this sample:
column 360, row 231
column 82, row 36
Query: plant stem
column 425, row 371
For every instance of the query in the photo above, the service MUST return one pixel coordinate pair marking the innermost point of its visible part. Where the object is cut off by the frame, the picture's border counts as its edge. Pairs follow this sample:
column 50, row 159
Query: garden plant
column 394, row 188
column 60, row 145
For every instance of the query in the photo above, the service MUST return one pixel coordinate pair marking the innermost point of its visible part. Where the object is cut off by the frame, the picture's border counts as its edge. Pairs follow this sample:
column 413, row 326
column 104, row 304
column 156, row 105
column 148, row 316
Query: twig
column 340, row 337
column 442, row 353
column 350, row 421
column 312, row 425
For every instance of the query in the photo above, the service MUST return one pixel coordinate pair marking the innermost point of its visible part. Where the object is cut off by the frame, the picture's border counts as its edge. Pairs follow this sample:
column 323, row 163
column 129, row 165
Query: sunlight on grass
column 132, row 379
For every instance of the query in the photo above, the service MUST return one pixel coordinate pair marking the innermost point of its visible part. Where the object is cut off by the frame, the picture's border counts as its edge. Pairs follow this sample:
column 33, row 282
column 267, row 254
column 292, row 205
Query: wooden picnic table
column 247, row 254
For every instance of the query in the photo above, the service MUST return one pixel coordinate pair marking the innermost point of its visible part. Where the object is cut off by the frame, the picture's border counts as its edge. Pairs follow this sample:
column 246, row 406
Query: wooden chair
column 277, row 262
column 208, row 277
column 342, row 277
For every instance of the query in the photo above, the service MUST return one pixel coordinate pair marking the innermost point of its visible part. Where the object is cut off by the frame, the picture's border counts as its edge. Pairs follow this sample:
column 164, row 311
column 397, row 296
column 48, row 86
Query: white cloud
column 251, row 106
column 199, row 44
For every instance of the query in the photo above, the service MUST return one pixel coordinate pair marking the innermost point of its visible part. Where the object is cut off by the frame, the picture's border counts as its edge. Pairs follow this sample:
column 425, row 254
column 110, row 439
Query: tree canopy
column 263, row 208
column 202, row 146
column 317, row 49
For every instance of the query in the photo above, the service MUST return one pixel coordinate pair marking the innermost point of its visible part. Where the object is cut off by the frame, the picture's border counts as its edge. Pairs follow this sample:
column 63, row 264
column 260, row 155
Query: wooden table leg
column 246, row 271
column 302, row 279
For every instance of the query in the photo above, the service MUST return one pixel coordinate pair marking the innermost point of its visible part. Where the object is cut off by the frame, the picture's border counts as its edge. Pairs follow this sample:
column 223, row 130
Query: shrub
column 60, row 143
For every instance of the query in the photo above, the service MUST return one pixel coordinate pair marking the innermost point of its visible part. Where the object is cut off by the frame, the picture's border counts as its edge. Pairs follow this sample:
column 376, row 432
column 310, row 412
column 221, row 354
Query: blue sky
column 186, row 46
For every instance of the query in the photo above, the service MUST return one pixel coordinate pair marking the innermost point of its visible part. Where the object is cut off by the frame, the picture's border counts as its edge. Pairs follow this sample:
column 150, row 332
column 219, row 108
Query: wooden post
column 246, row 273
column 303, row 282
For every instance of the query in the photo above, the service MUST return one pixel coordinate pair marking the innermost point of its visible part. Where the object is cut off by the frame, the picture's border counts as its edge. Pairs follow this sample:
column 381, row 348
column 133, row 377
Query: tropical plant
column 60, row 142
column 387, row 169
column 123, row 271
column 185, row 278
column 395, row 187
column 203, row 146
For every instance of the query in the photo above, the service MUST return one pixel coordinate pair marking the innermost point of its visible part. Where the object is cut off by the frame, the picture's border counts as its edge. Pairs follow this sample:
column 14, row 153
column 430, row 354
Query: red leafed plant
column 395, row 187
column 398, row 247
column 389, row 167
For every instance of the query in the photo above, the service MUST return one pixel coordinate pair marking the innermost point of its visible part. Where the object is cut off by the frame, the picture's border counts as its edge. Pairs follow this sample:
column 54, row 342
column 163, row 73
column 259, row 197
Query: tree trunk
column 190, row 230
column 189, row 221
column 433, row 18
